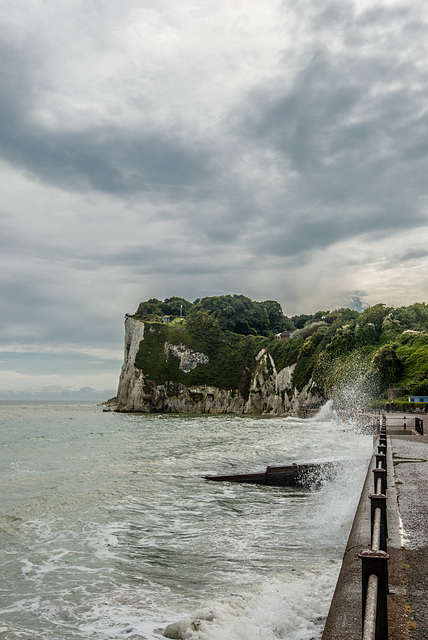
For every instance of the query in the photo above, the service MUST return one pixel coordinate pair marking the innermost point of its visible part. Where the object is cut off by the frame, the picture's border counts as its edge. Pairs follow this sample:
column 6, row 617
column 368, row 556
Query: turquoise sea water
column 108, row 531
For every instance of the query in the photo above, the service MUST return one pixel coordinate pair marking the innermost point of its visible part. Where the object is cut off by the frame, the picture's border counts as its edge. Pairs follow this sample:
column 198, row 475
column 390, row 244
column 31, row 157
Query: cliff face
column 131, row 381
column 269, row 391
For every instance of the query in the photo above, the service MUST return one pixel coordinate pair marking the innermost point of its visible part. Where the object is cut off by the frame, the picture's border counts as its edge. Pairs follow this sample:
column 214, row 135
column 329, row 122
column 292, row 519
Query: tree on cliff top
column 242, row 315
column 168, row 307
column 236, row 313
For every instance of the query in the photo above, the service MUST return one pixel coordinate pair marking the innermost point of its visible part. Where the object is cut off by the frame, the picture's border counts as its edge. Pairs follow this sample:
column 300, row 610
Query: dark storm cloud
column 349, row 125
column 106, row 158
column 346, row 146
column 353, row 127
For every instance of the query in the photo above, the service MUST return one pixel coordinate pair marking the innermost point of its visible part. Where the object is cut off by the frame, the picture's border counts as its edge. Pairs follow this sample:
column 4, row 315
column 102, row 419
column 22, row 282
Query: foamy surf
column 292, row 609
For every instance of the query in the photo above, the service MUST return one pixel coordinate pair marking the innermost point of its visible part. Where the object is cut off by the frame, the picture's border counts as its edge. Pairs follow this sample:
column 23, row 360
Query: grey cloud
column 24, row 303
column 58, row 394
column 355, row 132
column 355, row 301
column 106, row 158
column 323, row 227
column 414, row 254
column 39, row 308
column 312, row 126
column 107, row 161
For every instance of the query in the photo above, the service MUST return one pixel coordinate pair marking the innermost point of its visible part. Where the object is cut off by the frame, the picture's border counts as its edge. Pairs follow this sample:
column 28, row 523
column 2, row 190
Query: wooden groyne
column 294, row 475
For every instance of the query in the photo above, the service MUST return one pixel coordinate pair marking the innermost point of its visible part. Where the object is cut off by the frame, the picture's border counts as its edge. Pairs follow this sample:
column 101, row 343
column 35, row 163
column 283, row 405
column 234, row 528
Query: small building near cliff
column 285, row 335
column 397, row 392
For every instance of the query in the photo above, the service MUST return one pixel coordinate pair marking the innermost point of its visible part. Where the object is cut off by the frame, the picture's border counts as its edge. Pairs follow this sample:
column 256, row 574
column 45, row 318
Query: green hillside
column 343, row 351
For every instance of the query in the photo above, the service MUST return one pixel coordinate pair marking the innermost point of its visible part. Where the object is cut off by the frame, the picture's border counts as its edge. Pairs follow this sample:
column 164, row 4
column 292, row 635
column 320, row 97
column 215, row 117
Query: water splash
column 352, row 387
column 326, row 413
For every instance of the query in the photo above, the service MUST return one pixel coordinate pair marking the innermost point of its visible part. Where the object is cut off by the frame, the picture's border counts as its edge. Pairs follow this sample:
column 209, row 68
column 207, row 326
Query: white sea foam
column 105, row 540
column 293, row 608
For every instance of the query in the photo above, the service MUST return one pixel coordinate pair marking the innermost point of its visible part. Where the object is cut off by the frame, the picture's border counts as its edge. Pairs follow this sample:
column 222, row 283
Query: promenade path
column 407, row 507
column 410, row 458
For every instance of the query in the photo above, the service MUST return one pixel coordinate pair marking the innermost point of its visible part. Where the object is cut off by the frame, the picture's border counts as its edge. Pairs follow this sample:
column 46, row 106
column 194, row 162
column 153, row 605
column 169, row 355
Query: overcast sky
column 154, row 148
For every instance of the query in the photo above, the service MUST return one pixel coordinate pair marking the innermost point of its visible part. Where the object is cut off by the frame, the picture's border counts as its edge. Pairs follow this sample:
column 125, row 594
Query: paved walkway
column 407, row 505
column 410, row 457
column 404, row 423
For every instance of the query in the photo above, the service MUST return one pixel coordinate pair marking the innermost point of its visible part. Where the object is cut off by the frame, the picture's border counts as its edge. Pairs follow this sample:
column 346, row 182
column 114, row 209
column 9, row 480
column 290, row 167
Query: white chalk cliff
column 271, row 391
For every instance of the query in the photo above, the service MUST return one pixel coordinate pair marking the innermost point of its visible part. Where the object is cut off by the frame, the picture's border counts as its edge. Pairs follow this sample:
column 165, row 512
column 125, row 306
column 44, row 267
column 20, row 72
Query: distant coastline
column 58, row 396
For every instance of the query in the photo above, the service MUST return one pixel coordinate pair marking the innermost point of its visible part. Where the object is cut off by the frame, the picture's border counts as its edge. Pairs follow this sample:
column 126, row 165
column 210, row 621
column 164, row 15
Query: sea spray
column 351, row 383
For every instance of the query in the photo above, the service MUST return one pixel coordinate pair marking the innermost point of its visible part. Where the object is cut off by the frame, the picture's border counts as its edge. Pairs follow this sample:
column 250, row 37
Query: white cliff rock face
column 189, row 359
column 131, row 379
column 271, row 391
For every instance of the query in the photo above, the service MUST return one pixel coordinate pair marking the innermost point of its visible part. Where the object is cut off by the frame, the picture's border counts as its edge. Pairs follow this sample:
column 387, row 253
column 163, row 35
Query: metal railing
column 375, row 560
column 398, row 421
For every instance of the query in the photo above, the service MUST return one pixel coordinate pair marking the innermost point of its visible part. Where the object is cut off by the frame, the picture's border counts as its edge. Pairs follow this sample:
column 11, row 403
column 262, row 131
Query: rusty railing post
column 375, row 563
column 381, row 448
column 380, row 460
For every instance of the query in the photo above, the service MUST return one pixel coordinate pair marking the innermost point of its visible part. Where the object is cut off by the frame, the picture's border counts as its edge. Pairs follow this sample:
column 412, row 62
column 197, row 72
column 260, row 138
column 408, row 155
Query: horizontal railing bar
column 369, row 629
column 379, row 486
column 376, row 529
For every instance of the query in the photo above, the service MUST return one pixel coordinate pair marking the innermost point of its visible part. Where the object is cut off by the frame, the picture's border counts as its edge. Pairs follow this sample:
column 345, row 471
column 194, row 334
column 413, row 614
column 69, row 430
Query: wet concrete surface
column 410, row 457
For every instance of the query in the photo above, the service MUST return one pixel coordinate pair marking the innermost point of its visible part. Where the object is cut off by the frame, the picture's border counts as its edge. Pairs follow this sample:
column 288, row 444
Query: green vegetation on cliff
column 236, row 313
column 381, row 346
column 230, row 355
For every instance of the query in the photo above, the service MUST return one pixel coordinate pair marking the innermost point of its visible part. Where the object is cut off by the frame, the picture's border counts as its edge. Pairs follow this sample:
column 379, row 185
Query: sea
column 108, row 529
